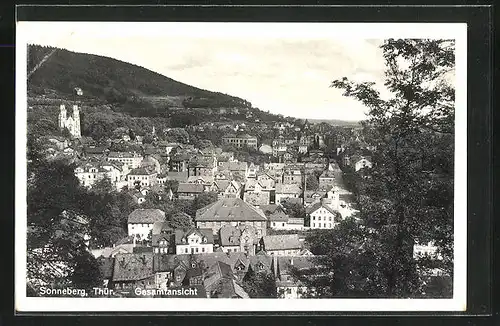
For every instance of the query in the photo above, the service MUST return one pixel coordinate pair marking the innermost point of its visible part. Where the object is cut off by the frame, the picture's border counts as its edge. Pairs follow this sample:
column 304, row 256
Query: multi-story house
column 142, row 177
column 231, row 211
column 322, row 216
column 133, row 160
column 194, row 241
column 131, row 271
column 89, row 173
column 258, row 192
column 281, row 244
column 293, row 176
column 189, row 190
column 240, row 141
column 287, row 191
column 140, row 222
column 241, row 238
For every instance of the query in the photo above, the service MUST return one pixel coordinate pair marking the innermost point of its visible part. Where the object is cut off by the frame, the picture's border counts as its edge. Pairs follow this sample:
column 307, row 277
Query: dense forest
column 114, row 81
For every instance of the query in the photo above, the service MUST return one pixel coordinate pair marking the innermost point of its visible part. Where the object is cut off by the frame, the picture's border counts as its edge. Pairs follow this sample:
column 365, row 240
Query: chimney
column 291, row 261
column 134, row 241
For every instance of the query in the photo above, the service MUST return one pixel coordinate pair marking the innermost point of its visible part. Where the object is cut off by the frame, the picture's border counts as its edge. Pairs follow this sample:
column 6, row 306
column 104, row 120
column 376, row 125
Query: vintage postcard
column 208, row 167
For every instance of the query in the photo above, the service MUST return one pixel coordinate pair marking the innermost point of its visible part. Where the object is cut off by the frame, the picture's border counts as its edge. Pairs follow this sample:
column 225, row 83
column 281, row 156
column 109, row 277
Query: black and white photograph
column 297, row 166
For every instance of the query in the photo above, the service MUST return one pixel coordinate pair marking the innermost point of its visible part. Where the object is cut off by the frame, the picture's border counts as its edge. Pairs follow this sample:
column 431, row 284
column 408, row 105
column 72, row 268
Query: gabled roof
column 230, row 209
column 202, row 233
column 146, row 215
column 314, row 207
column 281, row 242
column 278, row 216
column 190, row 188
column 133, row 267
column 141, row 171
column 288, row 189
column 156, row 238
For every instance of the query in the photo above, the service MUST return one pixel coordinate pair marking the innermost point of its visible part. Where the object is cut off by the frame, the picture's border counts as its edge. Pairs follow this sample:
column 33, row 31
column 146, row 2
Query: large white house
column 194, row 241
column 140, row 221
column 323, row 216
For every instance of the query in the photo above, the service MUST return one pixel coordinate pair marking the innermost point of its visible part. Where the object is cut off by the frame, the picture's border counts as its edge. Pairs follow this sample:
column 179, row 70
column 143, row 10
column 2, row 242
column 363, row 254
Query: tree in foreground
column 409, row 195
column 259, row 285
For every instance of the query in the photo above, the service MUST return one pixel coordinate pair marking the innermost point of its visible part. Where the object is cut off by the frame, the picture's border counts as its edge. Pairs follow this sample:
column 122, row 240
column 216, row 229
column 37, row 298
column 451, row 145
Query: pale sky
column 281, row 68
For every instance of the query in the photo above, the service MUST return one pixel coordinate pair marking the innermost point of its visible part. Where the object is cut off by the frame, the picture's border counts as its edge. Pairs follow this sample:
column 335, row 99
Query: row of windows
column 194, row 250
column 319, row 218
column 319, row 225
column 138, row 178
column 141, row 225
column 282, row 224
column 217, row 223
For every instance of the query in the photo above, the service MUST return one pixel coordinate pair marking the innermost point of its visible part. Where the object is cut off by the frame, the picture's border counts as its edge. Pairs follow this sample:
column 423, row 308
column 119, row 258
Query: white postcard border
column 457, row 31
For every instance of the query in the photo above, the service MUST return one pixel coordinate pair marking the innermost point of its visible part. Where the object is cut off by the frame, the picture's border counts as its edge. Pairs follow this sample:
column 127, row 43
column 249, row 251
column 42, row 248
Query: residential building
column 142, row 177
column 140, row 221
column 322, row 216
column 360, row 162
column 194, row 241
column 281, row 244
column 220, row 282
column 132, row 271
column 88, row 173
column 240, row 141
column 239, row 238
column 287, row 191
column 132, row 160
column 236, row 168
column 278, row 219
column 328, row 179
column 293, row 176
column 189, row 190
column 258, row 192
column 231, row 211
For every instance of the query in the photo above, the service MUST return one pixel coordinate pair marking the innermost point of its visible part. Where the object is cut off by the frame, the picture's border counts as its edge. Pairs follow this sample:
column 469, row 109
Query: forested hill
column 114, row 81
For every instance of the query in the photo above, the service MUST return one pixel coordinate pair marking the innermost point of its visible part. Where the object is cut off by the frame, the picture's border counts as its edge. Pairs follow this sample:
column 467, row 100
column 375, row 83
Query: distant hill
column 335, row 122
column 114, row 81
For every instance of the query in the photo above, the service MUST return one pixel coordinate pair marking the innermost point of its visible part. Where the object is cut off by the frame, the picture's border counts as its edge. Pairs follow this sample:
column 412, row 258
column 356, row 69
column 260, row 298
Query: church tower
column 76, row 120
column 62, row 116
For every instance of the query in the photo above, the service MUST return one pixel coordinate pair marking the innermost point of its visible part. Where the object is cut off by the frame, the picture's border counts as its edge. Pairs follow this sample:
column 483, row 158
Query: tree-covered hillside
column 114, row 81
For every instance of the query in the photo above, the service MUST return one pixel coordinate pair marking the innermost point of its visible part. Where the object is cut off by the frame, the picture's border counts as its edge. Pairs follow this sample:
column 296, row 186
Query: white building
column 133, row 160
column 361, row 163
column 194, row 241
column 140, row 221
column 322, row 216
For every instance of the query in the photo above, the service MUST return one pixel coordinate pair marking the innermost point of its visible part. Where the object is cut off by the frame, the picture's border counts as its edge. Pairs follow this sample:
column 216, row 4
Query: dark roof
column 271, row 208
column 190, row 188
column 142, row 249
column 133, row 267
column 203, row 233
column 288, row 188
column 141, row 171
column 146, row 215
column 156, row 238
column 178, row 176
column 230, row 209
column 281, row 242
column 278, row 216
